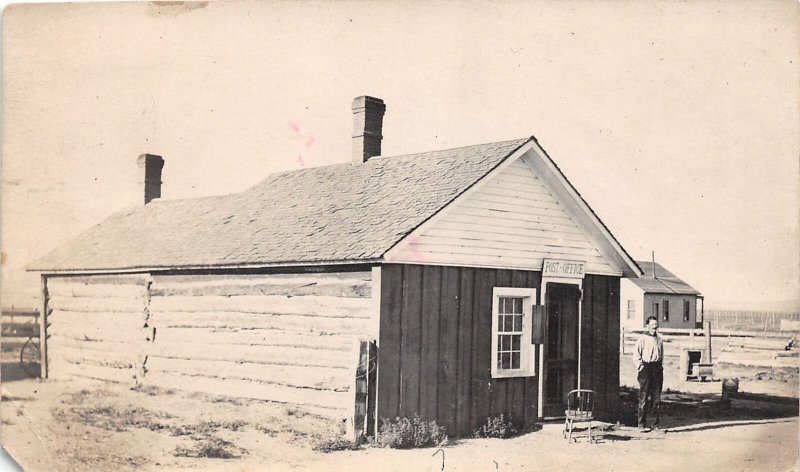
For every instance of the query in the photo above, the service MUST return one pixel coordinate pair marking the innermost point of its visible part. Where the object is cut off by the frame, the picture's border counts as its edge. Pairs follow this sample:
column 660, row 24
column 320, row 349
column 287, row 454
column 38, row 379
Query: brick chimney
column 150, row 167
column 367, row 125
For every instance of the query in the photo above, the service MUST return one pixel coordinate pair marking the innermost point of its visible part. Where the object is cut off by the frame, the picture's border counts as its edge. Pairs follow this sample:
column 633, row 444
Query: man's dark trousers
column 651, row 378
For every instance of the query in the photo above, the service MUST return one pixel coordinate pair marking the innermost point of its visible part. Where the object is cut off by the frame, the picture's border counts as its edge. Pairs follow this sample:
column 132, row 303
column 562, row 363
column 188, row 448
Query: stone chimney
column 367, row 125
column 150, row 167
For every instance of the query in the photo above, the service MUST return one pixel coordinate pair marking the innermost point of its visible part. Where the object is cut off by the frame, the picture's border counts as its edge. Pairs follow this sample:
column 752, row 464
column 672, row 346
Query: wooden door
column 561, row 346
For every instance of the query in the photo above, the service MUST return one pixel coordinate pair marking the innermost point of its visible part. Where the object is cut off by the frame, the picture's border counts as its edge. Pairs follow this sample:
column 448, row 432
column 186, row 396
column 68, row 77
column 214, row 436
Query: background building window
column 631, row 309
column 666, row 310
column 686, row 312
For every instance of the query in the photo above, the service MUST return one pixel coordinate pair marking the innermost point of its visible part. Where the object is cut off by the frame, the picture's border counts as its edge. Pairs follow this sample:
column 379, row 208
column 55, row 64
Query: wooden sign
column 563, row 268
column 537, row 336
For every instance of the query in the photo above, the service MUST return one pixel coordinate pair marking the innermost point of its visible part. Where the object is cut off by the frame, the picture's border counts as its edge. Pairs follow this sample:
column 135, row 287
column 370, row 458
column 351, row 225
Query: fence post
column 365, row 394
column 372, row 389
column 43, row 368
column 708, row 340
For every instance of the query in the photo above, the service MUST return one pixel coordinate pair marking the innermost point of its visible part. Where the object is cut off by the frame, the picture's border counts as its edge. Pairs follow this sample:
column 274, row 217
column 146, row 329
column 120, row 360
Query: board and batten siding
column 435, row 346
column 94, row 323
column 512, row 220
column 600, row 343
column 288, row 338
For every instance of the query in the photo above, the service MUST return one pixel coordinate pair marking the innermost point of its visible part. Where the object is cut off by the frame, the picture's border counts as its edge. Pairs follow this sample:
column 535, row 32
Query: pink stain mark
column 300, row 160
column 310, row 142
column 413, row 253
column 294, row 125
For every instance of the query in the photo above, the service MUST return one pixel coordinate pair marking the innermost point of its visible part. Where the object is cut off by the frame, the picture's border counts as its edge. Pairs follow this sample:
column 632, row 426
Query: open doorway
column 561, row 346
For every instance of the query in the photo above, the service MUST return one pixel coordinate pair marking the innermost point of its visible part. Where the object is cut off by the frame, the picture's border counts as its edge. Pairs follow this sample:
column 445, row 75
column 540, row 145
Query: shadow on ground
column 682, row 411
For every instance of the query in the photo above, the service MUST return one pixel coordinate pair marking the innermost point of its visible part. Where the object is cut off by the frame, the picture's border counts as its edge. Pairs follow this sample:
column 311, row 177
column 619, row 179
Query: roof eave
column 201, row 267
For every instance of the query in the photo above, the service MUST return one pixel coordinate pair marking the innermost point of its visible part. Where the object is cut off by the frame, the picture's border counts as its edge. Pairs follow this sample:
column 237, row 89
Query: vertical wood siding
column 435, row 356
column 511, row 221
column 600, row 343
column 435, row 347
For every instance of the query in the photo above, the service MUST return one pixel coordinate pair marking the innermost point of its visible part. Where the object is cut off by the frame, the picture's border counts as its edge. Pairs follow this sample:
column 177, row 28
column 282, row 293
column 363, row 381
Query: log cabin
column 456, row 285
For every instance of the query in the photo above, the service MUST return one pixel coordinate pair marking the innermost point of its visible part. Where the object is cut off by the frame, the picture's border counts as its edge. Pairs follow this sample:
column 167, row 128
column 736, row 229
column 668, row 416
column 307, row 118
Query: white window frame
column 631, row 308
column 527, row 351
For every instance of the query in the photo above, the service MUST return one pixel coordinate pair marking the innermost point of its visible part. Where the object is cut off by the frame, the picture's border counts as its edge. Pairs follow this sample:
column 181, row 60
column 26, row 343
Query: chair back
column 581, row 401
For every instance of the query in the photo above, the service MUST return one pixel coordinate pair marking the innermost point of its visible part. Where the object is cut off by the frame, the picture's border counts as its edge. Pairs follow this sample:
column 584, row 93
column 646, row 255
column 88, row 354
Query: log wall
column 289, row 338
column 93, row 326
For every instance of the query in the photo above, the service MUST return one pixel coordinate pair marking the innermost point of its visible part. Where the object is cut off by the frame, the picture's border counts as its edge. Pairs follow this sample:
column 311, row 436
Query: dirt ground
column 60, row 426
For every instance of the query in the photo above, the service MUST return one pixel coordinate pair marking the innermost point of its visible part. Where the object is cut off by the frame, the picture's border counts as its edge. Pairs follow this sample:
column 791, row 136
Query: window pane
column 517, row 322
column 499, row 361
column 506, row 364
column 508, row 323
column 515, row 360
column 500, row 323
column 515, row 342
column 517, row 305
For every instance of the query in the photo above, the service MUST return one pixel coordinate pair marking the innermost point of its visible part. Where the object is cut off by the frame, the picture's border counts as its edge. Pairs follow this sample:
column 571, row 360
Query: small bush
column 338, row 443
column 496, row 427
column 211, row 447
column 404, row 433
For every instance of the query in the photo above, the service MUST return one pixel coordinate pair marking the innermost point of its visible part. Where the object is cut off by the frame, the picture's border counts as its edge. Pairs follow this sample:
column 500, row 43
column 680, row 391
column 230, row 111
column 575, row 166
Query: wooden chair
column 580, row 409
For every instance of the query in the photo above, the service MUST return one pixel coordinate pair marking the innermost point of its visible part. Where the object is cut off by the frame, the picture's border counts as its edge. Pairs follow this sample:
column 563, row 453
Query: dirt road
column 56, row 426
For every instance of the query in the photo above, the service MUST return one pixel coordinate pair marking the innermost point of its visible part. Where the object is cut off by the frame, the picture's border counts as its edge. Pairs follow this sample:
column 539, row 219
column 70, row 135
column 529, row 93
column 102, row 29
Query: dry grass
column 210, row 447
column 112, row 418
column 207, row 427
column 154, row 391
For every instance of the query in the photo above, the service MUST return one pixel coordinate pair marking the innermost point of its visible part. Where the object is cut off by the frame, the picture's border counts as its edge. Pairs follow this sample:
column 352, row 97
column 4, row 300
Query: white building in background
column 662, row 294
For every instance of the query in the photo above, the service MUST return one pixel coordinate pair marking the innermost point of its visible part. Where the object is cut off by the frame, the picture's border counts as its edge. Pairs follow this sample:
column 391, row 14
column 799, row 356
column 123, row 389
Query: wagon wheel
column 30, row 357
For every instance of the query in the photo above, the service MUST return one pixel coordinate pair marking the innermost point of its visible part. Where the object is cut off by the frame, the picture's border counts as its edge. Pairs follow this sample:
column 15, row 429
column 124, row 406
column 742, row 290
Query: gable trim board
column 557, row 188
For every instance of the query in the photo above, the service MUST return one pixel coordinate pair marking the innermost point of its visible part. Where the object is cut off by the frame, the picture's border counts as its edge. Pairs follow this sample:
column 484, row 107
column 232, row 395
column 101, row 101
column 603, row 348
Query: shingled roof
column 337, row 213
column 663, row 282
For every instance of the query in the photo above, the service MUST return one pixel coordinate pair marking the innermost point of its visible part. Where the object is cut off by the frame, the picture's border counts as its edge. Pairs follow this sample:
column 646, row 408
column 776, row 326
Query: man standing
column 648, row 356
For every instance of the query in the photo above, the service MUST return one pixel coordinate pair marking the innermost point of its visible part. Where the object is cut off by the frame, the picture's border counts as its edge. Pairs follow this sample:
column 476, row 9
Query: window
column 512, row 323
column 656, row 311
column 631, row 309
column 686, row 312
column 666, row 310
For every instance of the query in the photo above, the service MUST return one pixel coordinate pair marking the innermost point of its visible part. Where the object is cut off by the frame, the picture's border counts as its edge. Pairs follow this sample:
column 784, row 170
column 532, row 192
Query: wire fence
column 753, row 320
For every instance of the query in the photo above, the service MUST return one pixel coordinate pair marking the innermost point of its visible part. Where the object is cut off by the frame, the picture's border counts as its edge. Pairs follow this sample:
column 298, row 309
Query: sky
column 679, row 123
